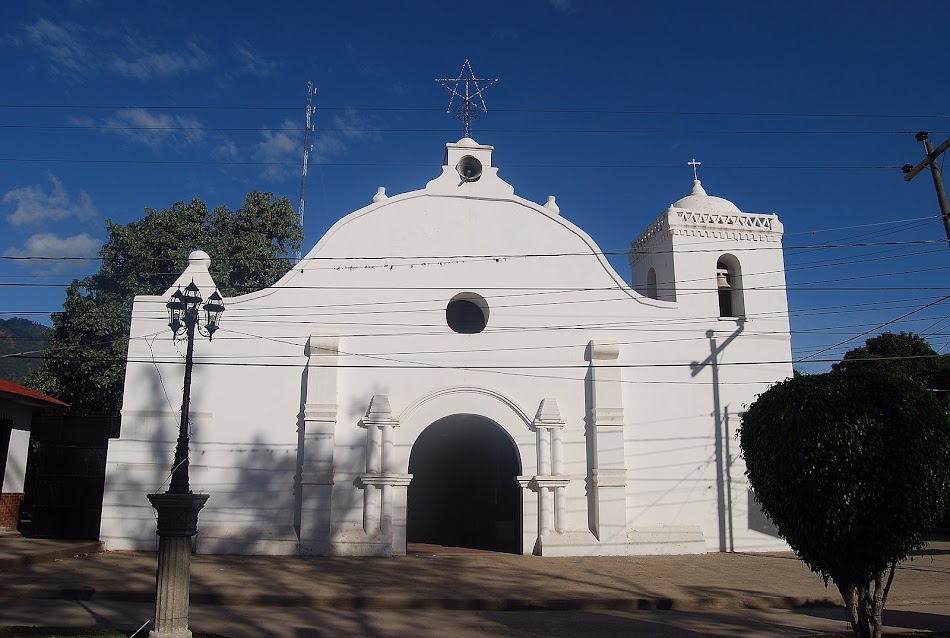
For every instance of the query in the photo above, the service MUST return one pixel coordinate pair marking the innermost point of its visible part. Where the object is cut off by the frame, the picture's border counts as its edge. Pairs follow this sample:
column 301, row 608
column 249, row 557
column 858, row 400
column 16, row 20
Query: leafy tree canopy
column 853, row 467
column 906, row 353
column 249, row 249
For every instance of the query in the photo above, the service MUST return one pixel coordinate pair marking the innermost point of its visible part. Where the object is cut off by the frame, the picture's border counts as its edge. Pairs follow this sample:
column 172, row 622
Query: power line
column 409, row 365
column 875, row 329
column 107, row 127
column 487, row 256
column 147, row 162
column 531, row 110
column 857, row 226
column 801, row 286
column 374, row 307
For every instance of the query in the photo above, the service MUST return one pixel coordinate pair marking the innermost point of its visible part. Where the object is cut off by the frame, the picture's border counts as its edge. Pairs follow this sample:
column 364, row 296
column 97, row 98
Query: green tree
column 249, row 249
column 853, row 467
column 906, row 353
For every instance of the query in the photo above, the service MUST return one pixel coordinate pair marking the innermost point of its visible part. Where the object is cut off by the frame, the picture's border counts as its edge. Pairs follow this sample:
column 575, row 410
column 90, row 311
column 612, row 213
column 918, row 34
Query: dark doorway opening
column 463, row 491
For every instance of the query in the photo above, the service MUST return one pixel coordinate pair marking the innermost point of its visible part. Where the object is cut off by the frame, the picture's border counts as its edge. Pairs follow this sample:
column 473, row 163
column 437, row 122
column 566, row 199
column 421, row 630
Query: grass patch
column 79, row 632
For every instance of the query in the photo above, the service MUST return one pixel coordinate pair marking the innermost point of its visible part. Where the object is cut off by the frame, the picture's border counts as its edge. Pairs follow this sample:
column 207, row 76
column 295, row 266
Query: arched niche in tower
column 729, row 287
column 652, row 292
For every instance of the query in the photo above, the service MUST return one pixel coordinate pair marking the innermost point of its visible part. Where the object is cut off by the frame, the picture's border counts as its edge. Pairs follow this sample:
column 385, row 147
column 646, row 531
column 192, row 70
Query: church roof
column 698, row 201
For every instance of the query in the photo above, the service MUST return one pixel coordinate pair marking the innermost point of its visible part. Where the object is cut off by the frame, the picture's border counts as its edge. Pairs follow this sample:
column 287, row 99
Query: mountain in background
column 21, row 335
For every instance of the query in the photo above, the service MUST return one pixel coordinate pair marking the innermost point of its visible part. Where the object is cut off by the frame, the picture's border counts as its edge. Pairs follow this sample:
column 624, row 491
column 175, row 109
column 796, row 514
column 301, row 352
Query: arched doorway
column 463, row 491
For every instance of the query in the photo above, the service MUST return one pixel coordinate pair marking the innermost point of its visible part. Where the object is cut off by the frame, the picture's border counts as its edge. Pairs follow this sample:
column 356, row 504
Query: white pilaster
column 319, row 429
column 608, row 465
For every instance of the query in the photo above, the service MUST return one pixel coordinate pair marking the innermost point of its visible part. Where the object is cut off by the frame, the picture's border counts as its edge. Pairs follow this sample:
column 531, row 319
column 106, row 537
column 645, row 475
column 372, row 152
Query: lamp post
column 178, row 507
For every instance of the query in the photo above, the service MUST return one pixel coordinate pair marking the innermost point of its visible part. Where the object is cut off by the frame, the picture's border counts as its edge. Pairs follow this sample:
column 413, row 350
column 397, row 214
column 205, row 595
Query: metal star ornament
column 472, row 103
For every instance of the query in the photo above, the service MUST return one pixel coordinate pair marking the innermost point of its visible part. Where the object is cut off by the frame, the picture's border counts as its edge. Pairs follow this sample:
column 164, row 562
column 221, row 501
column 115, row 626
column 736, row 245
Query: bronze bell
column 723, row 278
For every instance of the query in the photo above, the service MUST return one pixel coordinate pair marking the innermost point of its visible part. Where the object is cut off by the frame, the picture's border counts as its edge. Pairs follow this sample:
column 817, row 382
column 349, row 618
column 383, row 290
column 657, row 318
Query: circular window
column 467, row 313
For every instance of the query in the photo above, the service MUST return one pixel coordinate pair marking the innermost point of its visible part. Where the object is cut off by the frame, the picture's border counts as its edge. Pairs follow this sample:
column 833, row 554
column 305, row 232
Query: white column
column 548, row 482
column 381, row 481
column 372, row 448
column 556, row 452
column 370, row 509
column 386, row 525
column 560, row 508
column 387, row 437
column 544, row 451
column 544, row 510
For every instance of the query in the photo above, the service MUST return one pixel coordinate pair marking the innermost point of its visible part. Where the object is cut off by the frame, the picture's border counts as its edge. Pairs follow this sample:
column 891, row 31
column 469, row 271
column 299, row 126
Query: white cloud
column 227, row 150
column 281, row 148
column 354, row 125
column 52, row 245
column 252, row 62
column 34, row 205
column 150, row 128
column 277, row 147
column 139, row 60
column 63, row 43
column 327, row 145
column 75, row 51
column 564, row 6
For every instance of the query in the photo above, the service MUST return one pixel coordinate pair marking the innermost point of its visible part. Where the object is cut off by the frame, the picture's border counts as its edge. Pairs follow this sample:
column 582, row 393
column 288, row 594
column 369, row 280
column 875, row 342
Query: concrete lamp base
column 177, row 523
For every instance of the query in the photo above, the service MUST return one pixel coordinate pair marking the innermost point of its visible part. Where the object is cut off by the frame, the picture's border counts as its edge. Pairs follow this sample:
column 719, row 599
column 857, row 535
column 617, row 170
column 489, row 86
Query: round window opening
column 467, row 313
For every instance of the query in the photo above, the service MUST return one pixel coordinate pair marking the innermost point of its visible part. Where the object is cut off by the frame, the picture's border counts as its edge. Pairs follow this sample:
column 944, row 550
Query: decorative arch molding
column 444, row 393
column 495, row 406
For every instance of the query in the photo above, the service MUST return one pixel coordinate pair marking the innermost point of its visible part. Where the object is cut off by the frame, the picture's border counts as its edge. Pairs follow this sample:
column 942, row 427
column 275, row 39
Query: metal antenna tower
column 469, row 109
column 307, row 147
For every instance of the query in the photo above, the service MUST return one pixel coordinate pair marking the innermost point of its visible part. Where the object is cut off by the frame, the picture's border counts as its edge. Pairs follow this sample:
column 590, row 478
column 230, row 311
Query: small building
column 460, row 366
column 19, row 407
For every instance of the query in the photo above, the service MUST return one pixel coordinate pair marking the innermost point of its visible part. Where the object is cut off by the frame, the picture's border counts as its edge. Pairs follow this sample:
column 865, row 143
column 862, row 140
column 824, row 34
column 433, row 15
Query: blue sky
column 804, row 109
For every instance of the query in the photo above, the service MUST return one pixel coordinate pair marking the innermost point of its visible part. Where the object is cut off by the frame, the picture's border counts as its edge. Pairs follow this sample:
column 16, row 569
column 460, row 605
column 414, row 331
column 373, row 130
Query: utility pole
column 931, row 160
column 307, row 147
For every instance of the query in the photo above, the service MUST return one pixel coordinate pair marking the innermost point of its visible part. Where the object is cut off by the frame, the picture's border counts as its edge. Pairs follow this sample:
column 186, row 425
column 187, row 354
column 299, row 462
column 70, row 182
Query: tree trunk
column 856, row 609
column 877, row 602
column 864, row 605
column 852, row 607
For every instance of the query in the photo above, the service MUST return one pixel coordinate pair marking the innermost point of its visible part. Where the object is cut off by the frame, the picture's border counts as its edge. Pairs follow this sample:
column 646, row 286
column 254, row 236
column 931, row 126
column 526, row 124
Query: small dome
column 467, row 141
column 698, row 201
column 199, row 257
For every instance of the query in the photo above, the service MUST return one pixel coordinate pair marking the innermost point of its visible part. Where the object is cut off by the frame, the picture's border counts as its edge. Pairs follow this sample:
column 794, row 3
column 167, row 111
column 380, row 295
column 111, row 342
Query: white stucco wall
column 649, row 459
column 15, row 470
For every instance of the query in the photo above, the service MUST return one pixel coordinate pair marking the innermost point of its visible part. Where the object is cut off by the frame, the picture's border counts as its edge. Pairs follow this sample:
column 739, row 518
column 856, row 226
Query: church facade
column 460, row 366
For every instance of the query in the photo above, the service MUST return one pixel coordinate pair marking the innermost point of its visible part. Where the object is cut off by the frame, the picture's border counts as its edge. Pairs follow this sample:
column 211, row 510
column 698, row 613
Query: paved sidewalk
column 17, row 552
column 472, row 581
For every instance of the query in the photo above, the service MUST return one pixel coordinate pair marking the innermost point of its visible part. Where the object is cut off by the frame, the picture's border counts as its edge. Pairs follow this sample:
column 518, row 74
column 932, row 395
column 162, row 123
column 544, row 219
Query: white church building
column 459, row 366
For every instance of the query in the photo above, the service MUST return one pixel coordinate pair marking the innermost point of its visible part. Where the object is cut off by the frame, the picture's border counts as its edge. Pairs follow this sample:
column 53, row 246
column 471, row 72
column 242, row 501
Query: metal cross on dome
column 695, row 164
column 465, row 111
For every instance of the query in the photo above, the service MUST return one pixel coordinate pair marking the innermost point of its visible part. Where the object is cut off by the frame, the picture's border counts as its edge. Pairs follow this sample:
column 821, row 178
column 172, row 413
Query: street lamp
column 183, row 320
column 178, row 507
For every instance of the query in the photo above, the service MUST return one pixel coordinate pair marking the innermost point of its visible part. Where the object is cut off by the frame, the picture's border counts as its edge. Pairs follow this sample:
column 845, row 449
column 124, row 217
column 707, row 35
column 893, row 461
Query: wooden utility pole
column 931, row 160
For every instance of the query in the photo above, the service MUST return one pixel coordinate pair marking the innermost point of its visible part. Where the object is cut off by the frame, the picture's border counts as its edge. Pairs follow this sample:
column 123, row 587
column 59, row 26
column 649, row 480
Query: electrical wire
column 529, row 110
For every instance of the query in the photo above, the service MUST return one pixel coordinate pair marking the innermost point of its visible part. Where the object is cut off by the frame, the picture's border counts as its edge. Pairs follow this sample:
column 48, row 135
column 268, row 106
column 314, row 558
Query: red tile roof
column 9, row 387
